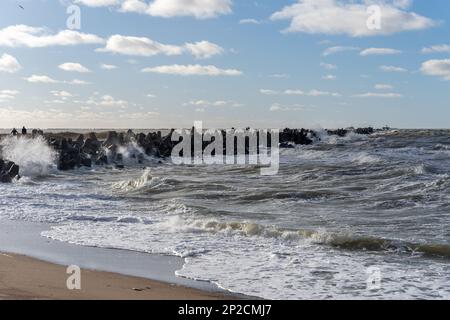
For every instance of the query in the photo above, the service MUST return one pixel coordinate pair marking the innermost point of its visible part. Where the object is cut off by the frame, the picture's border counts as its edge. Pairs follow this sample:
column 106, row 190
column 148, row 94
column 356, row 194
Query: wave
column 344, row 241
column 33, row 155
column 146, row 181
column 365, row 158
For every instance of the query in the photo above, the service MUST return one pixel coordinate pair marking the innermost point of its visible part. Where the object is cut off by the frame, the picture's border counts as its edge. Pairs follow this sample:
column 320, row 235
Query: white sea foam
column 146, row 181
column 34, row 156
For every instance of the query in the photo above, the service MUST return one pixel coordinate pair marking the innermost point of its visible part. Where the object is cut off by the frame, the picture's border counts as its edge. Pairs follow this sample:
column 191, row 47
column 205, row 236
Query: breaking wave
column 33, row 155
column 345, row 241
column 144, row 182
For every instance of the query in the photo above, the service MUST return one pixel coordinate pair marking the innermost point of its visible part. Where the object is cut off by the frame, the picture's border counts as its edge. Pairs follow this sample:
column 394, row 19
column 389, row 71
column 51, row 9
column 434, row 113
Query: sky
column 228, row 63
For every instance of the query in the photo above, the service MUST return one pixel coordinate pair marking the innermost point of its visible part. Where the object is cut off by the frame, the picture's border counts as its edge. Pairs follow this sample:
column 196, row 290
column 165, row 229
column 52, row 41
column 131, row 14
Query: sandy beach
column 26, row 278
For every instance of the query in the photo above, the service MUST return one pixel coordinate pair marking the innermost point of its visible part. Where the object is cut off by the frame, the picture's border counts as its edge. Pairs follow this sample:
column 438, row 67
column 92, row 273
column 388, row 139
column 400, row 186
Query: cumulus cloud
column 379, row 51
column 269, row 92
column 350, row 17
column 40, row 79
column 249, row 21
column 74, row 67
column 438, row 68
column 442, row 48
column 146, row 47
column 392, row 69
column 200, row 9
column 203, row 49
column 139, row 46
column 32, row 37
column 9, row 64
column 333, row 50
column 46, row 79
column 61, row 94
column 193, row 70
column 78, row 82
column 99, row 3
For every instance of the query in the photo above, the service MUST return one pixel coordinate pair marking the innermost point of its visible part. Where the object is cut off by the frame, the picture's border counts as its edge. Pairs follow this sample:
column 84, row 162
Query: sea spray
column 33, row 155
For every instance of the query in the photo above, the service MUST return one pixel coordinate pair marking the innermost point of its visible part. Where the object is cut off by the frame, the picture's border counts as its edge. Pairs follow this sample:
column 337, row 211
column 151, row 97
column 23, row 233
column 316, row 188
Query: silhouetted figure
column 24, row 131
column 14, row 132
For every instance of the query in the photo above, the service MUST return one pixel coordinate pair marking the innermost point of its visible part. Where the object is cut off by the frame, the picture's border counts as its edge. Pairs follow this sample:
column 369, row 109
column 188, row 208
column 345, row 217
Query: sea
column 355, row 217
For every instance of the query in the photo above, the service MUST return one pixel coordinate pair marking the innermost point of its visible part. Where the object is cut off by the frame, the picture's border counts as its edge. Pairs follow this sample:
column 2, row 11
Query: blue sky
column 262, row 63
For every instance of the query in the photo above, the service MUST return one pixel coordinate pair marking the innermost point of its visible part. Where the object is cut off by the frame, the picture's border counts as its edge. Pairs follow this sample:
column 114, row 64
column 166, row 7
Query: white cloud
column 249, row 21
column 438, row 68
column 73, row 67
column 382, row 86
column 200, row 9
column 107, row 101
column 203, row 49
column 7, row 95
column 329, row 77
column 141, row 46
column 392, row 69
column 277, row 107
column 78, row 82
column 191, row 70
column 32, row 37
column 108, row 66
column 328, row 66
column 9, row 64
column 291, row 92
column 61, row 94
column 379, row 51
column 298, row 92
column 268, row 92
column 40, row 79
column 378, row 95
column 442, row 48
column 350, row 17
column 337, row 49
column 219, row 103
column 99, row 3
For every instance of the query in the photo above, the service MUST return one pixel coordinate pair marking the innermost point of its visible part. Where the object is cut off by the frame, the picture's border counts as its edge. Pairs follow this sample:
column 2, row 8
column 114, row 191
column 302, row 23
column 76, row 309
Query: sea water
column 355, row 217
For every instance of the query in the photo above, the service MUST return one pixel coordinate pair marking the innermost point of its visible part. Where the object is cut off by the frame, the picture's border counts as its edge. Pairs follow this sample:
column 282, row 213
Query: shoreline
column 25, row 278
column 23, row 250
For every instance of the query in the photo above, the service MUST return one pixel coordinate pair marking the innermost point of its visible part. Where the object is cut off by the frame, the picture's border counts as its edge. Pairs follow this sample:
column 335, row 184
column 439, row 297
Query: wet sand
column 22, row 277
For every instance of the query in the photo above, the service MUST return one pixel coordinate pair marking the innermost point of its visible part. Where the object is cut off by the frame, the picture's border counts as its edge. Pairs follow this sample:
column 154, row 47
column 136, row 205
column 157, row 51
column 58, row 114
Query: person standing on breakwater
column 14, row 132
column 24, row 131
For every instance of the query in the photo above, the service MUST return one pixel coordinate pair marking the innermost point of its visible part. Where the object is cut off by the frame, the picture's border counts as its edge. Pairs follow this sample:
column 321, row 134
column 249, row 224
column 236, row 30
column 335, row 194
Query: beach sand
column 22, row 277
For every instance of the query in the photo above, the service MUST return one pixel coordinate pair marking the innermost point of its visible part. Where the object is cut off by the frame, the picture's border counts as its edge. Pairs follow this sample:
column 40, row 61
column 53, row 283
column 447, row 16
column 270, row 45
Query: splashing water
column 34, row 156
